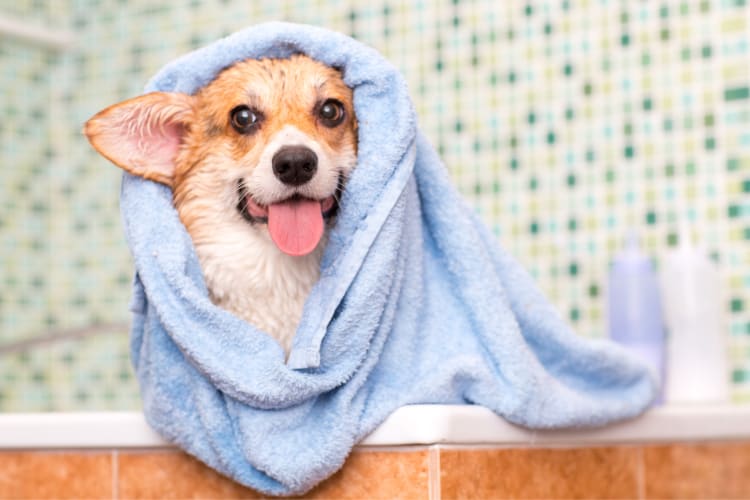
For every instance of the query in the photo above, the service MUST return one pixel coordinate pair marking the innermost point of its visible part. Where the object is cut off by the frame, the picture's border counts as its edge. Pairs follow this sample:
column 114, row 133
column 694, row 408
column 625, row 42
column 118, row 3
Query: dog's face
column 261, row 151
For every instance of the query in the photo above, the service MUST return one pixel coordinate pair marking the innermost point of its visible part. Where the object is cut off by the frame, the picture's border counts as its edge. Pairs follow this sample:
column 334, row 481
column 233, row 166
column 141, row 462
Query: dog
column 256, row 161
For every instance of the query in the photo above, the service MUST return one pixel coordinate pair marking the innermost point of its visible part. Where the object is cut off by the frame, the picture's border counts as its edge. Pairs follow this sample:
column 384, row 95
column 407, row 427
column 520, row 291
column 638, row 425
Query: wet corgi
column 256, row 161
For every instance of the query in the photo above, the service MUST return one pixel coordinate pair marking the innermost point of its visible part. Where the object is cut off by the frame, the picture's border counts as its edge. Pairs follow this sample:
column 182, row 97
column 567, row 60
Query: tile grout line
column 115, row 474
column 433, row 481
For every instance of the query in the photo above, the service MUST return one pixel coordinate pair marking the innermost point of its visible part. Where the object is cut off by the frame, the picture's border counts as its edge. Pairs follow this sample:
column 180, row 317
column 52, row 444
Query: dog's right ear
column 142, row 135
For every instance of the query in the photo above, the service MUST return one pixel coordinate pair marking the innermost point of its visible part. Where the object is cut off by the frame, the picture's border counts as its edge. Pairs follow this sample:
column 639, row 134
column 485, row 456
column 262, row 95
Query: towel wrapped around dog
column 416, row 303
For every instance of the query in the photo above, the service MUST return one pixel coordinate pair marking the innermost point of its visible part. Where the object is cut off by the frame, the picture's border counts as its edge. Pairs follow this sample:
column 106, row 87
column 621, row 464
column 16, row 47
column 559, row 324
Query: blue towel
column 416, row 303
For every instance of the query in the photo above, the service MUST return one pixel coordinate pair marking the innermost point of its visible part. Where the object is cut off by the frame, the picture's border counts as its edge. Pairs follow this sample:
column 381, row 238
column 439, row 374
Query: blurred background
column 564, row 123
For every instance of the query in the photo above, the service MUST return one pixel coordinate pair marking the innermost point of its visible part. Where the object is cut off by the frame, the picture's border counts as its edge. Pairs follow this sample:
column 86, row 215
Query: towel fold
column 416, row 303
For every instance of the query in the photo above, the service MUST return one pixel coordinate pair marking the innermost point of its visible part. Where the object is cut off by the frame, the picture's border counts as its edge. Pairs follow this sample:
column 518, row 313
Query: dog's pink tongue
column 296, row 226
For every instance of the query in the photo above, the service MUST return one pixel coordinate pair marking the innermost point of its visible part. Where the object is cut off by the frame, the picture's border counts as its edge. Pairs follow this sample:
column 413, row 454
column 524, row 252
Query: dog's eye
column 331, row 113
column 244, row 119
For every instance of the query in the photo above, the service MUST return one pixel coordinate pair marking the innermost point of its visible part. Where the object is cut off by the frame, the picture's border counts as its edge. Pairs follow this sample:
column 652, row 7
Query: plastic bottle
column 696, row 349
column 634, row 310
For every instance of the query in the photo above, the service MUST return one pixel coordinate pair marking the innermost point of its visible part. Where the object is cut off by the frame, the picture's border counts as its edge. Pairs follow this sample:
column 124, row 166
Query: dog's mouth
column 296, row 224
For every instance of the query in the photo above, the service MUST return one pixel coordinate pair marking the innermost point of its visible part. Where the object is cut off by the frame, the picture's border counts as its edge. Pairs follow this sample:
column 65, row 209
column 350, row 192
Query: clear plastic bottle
column 634, row 309
column 693, row 308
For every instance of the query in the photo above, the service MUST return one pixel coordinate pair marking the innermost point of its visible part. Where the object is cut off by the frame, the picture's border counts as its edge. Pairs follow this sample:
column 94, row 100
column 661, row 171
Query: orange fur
column 189, row 144
column 286, row 90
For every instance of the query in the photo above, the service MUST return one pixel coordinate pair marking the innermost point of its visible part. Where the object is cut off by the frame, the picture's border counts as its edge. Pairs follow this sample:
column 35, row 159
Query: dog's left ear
column 142, row 135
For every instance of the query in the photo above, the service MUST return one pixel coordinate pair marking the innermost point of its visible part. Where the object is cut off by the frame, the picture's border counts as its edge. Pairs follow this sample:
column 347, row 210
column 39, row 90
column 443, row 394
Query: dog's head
column 264, row 148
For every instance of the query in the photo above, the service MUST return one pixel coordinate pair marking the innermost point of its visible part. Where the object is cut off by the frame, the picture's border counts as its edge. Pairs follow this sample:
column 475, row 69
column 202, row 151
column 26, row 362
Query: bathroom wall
column 564, row 123
column 655, row 471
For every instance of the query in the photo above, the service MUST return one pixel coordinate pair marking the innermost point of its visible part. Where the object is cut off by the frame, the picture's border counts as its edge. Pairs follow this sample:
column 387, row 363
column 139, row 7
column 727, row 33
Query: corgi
column 256, row 161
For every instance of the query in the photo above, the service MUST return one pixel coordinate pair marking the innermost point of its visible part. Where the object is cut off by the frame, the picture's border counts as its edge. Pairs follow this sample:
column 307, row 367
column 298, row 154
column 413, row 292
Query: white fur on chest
column 251, row 278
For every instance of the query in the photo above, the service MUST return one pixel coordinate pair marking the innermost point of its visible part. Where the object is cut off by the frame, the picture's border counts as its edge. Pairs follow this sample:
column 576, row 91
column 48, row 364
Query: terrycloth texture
column 416, row 304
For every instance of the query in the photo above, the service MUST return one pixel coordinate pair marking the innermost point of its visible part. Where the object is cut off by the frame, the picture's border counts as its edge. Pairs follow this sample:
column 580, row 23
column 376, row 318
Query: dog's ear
column 142, row 135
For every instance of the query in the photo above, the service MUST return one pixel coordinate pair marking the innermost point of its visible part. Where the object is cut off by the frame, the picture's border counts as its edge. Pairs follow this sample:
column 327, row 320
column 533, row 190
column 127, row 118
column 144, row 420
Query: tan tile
column 173, row 474
column 539, row 473
column 55, row 475
column 366, row 474
column 711, row 470
column 379, row 474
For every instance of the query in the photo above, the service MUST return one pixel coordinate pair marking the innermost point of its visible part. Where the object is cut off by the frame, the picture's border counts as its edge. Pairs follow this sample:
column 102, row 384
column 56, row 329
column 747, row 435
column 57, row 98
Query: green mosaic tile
column 737, row 93
column 563, row 123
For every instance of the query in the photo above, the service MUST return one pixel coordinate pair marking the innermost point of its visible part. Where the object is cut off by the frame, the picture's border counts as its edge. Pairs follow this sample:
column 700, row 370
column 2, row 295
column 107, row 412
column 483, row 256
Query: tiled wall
column 707, row 470
column 565, row 123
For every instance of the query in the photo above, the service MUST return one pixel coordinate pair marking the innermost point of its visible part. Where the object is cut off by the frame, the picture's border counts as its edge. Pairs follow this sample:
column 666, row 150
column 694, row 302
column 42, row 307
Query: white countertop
column 410, row 425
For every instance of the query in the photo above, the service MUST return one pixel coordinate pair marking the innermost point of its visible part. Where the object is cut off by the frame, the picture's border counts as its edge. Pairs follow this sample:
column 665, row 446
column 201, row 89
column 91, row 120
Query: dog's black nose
column 294, row 165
